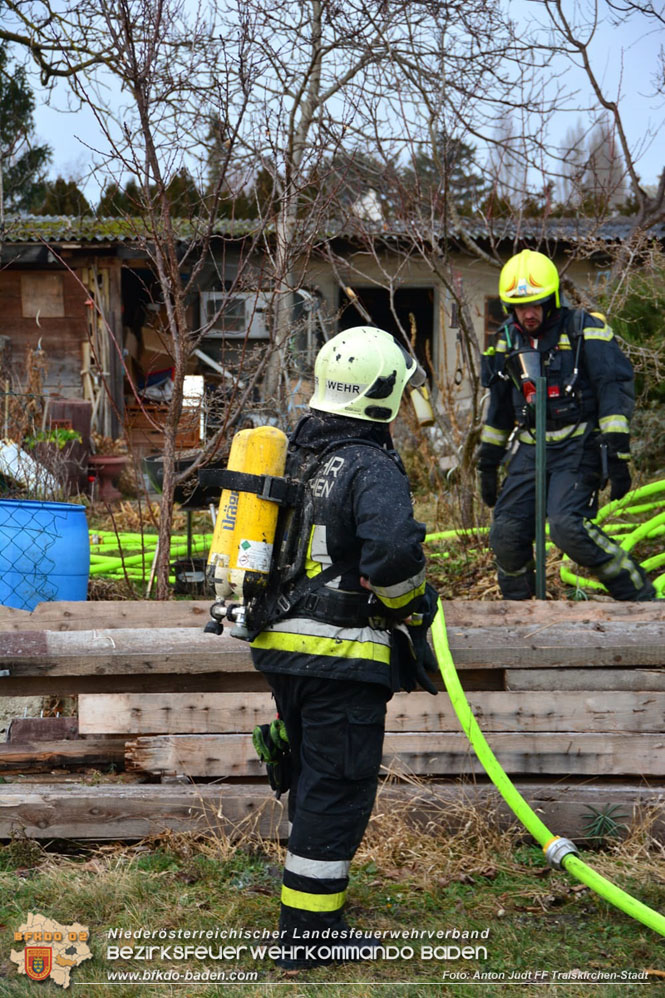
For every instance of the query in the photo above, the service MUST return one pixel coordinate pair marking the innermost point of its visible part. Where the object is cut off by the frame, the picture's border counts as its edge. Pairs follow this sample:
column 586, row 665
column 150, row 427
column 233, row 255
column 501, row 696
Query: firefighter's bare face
column 530, row 317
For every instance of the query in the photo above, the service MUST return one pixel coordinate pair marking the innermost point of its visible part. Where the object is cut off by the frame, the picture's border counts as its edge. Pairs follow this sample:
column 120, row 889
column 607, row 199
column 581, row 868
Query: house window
column 494, row 318
column 234, row 316
column 42, row 295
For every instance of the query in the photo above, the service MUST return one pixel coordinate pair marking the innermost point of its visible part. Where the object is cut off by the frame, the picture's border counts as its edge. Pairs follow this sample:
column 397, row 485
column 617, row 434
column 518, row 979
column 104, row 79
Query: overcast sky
column 622, row 58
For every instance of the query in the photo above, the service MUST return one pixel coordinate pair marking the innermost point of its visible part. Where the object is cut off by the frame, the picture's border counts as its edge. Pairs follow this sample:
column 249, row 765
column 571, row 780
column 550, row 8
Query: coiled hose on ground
column 648, row 499
column 560, row 852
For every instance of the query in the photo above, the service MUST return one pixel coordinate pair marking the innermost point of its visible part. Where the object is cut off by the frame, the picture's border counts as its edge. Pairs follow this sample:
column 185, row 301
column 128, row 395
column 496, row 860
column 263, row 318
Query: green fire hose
column 561, row 853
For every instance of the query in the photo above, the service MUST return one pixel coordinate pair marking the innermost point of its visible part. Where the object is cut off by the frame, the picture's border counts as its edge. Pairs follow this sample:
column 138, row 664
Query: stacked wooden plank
column 570, row 696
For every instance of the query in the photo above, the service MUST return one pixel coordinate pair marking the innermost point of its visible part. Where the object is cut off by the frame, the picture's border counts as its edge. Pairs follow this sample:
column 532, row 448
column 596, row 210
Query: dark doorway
column 416, row 302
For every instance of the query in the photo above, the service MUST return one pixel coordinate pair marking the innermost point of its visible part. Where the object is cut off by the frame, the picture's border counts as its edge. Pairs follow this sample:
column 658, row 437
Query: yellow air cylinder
column 219, row 556
column 256, row 518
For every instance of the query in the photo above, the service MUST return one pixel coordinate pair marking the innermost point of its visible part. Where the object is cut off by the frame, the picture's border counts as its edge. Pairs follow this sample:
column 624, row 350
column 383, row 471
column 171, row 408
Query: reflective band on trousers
column 620, row 562
column 318, row 869
column 312, row 902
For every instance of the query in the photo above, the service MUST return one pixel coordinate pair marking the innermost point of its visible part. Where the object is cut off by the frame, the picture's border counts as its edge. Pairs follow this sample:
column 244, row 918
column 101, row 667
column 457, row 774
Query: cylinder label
column 254, row 556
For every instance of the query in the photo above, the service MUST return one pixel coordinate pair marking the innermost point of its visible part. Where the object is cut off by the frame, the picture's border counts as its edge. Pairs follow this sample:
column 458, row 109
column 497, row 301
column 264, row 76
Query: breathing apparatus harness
column 523, row 366
column 287, row 590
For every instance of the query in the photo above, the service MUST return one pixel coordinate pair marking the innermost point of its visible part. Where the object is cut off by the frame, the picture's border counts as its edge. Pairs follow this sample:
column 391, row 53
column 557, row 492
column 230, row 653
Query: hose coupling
column 557, row 849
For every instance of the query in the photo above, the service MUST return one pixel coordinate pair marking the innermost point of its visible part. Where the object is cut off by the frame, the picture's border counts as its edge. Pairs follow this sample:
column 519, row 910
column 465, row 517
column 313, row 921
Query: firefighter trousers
column 572, row 504
column 335, row 729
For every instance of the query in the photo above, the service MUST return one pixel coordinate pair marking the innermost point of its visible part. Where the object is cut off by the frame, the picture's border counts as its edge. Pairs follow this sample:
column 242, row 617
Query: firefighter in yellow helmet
column 590, row 399
column 352, row 614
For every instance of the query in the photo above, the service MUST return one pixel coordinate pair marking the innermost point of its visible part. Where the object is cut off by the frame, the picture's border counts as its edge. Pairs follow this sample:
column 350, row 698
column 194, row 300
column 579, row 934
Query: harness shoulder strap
column 278, row 600
column 575, row 325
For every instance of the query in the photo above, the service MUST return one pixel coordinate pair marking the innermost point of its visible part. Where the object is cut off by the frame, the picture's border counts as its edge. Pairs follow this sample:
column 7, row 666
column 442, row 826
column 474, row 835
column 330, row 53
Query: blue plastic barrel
column 44, row 552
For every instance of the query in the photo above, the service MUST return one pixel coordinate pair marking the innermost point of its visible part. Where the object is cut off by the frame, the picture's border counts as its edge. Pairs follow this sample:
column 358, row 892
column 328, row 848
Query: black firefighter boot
column 311, row 939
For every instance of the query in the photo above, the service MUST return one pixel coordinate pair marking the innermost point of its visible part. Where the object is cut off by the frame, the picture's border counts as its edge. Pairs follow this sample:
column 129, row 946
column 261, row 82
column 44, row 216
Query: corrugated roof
column 89, row 230
column 563, row 230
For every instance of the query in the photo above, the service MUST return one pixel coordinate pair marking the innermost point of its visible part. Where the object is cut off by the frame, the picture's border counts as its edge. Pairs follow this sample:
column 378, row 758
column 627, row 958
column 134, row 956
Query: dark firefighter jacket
column 362, row 520
column 602, row 396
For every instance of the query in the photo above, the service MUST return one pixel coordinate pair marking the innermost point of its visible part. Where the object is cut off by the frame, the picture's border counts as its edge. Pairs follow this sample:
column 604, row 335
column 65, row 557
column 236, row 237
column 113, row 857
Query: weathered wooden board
column 432, row 754
column 550, row 680
column 524, row 613
column 112, row 812
column 194, row 755
column 176, row 713
column 32, row 729
column 576, row 644
column 111, row 614
column 105, row 651
column 65, row 752
column 132, row 812
column 201, row 713
column 65, row 685
column 184, row 650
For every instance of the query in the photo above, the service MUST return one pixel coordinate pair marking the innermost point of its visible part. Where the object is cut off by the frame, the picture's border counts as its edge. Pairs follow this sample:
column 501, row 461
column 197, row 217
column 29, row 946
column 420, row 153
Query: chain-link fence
column 44, row 552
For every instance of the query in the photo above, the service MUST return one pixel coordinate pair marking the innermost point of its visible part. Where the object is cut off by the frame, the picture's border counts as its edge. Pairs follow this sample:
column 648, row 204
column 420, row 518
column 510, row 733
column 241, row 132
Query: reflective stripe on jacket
column 362, row 520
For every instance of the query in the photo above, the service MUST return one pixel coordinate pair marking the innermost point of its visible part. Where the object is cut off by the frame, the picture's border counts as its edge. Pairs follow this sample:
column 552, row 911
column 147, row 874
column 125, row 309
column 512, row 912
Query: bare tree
column 572, row 39
column 465, row 69
column 573, row 162
column 319, row 57
column 470, row 67
column 296, row 85
column 167, row 62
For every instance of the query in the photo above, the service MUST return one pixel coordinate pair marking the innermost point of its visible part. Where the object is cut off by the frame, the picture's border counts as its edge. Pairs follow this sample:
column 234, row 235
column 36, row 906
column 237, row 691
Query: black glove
column 411, row 655
column 618, row 445
column 489, row 486
column 619, row 475
column 490, row 457
column 411, row 658
column 618, row 454
column 425, row 659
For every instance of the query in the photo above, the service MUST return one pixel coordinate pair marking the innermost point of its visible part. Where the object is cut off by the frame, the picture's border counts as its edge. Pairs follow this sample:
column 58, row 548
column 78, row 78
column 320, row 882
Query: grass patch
column 455, row 871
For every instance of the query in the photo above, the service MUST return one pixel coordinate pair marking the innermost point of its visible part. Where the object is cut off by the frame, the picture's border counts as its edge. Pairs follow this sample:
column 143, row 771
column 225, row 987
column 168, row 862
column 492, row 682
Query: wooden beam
column 118, row 812
column 596, row 680
column 66, row 752
column 107, row 614
column 526, row 613
column 431, row 754
column 214, row 682
column 112, row 811
column 146, row 650
column 112, row 614
column 175, row 713
column 31, row 729
column 184, row 650
column 201, row 713
column 194, row 755
column 576, row 644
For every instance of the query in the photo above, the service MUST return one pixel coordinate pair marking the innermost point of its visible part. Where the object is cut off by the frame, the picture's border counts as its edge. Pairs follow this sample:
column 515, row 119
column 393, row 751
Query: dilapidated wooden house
column 82, row 290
